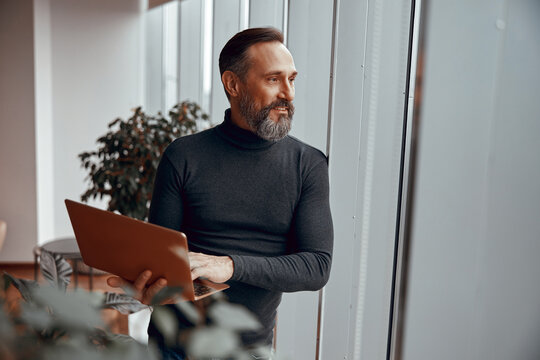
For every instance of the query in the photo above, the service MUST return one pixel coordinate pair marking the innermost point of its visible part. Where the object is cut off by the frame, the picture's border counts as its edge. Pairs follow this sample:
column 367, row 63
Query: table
column 66, row 247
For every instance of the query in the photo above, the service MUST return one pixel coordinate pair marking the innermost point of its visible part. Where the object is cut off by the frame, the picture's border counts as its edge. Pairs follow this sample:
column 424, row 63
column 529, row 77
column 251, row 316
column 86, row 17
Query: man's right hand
column 143, row 293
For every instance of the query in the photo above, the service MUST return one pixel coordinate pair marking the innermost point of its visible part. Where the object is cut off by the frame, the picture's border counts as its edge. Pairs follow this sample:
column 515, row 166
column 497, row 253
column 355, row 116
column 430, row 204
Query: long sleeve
column 166, row 208
column 307, row 267
column 265, row 204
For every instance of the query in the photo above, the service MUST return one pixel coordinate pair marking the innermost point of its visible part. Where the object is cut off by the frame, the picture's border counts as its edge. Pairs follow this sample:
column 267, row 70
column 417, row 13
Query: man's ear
column 231, row 82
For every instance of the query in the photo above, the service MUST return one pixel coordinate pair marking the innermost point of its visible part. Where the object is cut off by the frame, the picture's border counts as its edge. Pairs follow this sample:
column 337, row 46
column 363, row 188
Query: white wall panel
column 340, row 293
column 191, row 50
column 44, row 120
column 227, row 21
column 266, row 13
column 386, row 70
column 171, row 42
column 154, row 84
column 473, row 290
column 366, row 139
column 96, row 67
column 310, row 42
column 452, row 162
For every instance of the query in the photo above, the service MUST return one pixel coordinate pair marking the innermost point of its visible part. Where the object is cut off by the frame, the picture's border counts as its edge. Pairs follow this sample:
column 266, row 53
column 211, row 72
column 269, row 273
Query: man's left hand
column 217, row 269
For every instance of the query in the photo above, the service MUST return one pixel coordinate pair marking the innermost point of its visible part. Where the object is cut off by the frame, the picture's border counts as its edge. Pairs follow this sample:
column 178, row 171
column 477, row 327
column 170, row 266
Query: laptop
column 126, row 247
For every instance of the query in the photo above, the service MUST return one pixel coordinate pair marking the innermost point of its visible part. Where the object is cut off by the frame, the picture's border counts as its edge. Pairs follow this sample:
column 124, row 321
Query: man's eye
column 273, row 79
column 292, row 80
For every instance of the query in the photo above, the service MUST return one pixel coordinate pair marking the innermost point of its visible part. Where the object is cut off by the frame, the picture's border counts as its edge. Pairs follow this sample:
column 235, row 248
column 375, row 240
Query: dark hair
column 234, row 57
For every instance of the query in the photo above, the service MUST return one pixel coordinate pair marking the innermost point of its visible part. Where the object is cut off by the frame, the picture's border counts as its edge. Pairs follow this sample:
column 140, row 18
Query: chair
column 3, row 230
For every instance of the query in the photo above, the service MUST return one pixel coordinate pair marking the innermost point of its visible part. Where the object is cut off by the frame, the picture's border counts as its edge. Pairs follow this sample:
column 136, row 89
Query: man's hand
column 214, row 268
column 143, row 293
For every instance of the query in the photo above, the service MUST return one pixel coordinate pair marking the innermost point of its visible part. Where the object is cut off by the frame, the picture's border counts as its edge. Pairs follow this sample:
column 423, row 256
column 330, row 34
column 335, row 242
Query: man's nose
column 287, row 91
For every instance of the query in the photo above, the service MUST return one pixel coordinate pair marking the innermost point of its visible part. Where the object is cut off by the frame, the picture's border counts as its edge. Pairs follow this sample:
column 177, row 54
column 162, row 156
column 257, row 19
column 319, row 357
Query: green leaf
column 262, row 352
column 70, row 352
column 123, row 303
column 121, row 338
column 24, row 286
column 190, row 312
column 129, row 145
column 75, row 311
column 37, row 318
column 55, row 269
column 167, row 324
column 233, row 316
column 167, row 293
column 6, row 281
column 7, row 332
column 212, row 342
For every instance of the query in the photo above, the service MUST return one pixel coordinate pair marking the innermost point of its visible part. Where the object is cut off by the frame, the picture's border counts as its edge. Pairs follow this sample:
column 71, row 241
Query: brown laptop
column 126, row 247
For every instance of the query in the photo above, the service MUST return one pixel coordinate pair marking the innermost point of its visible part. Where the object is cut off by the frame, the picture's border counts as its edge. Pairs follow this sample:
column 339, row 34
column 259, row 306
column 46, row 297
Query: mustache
column 281, row 103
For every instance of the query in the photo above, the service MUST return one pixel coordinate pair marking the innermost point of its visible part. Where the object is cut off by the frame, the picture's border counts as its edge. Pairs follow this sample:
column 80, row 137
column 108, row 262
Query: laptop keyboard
column 200, row 289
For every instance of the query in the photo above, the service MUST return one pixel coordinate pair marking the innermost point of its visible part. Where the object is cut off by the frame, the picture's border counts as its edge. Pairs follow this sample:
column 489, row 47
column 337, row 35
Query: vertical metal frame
column 320, row 313
column 407, row 183
column 178, row 62
column 286, row 7
column 207, row 53
column 243, row 15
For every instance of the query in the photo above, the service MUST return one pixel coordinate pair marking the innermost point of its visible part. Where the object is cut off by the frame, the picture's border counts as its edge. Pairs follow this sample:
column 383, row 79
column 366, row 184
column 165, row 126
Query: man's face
column 268, row 90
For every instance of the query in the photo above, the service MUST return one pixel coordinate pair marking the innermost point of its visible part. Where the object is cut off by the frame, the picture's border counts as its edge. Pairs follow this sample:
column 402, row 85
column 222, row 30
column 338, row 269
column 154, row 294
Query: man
column 252, row 201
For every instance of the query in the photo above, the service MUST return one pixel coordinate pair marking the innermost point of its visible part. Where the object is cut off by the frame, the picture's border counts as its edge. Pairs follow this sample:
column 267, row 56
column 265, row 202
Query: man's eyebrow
column 278, row 72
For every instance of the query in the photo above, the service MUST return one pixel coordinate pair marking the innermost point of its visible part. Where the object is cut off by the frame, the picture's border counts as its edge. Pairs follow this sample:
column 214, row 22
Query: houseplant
column 124, row 165
column 123, row 169
column 50, row 323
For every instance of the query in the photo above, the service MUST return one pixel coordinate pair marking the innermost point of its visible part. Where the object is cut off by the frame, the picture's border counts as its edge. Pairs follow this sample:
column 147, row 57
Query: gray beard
column 260, row 121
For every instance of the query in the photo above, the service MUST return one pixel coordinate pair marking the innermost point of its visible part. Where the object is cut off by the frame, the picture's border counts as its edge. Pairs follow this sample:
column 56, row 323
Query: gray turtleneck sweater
column 263, row 203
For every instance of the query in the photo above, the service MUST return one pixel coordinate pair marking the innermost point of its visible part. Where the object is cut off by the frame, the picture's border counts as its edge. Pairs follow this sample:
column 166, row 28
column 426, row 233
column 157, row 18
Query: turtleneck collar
column 240, row 137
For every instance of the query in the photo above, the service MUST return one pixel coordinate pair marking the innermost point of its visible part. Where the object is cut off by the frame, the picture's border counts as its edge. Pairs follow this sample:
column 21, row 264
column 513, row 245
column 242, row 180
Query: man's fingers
column 117, row 282
column 153, row 290
column 195, row 259
column 196, row 273
column 215, row 268
column 196, row 262
column 141, row 281
column 143, row 294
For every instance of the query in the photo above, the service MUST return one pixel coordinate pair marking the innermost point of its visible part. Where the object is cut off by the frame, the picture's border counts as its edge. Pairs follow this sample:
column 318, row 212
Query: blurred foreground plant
column 51, row 323
column 125, row 163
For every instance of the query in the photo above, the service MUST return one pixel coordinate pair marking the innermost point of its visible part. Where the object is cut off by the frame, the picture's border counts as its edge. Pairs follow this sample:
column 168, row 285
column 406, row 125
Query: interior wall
column 367, row 119
column 154, row 82
column 267, row 13
column 228, row 20
column 17, row 130
column 97, row 68
column 81, row 66
column 43, row 119
column 95, row 77
column 191, row 58
column 298, row 312
column 473, row 279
